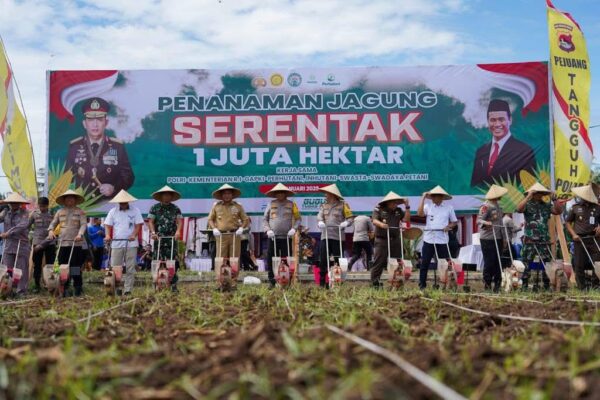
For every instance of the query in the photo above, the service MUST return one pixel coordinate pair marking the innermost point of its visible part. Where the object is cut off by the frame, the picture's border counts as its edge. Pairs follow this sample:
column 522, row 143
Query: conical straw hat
column 438, row 190
column 14, row 198
column 78, row 198
column 166, row 189
column 538, row 188
column 392, row 196
column 217, row 194
column 123, row 197
column 333, row 189
column 586, row 193
column 495, row 192
column 280, row 187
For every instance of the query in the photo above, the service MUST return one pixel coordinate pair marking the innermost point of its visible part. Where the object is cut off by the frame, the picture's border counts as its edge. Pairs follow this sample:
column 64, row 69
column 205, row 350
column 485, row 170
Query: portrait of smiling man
column 99, row 162
column 504, row 157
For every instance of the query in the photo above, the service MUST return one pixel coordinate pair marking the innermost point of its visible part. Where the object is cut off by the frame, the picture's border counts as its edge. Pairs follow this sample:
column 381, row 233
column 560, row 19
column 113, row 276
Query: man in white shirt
column 361, row 240
column 123, row 224
column 440, row 218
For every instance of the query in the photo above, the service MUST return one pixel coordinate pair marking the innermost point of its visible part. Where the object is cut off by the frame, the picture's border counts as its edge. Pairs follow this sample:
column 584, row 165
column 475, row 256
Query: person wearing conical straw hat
column 166, row 220
column 491, row 234
column 40, row 220
column 227, row 219
column 441, row 219
column 583, row 223
column 280, row 222
column 333, row 213
column 387, row 215
column 70, row 223
column 536, row 237
column 123, row 224
column 15, row 236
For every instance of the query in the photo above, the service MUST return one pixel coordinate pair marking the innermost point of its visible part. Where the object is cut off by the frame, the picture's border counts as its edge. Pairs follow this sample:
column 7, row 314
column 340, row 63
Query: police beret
column 95, row 107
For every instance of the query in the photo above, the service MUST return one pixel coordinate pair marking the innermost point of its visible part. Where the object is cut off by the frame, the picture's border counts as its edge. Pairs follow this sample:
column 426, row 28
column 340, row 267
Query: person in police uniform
column 99, row 162
column 583, row 223
column 16, row 241
column 491, row 235
column 335, row 213
column 280, row 222
column 227, row 219
column 40, row 220
column 70, row 224
column 387, row 216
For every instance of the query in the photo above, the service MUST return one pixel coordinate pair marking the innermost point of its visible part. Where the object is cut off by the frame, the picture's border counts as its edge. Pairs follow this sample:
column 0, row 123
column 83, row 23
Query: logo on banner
column 312, row 203
column 565, row 38
column 276, row 79
column 258, row 82
column 330, row 81
column 294, row 79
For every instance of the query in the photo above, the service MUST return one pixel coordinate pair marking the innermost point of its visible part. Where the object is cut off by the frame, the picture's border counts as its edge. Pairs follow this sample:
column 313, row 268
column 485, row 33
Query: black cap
column 43, row 201
column 498, row 105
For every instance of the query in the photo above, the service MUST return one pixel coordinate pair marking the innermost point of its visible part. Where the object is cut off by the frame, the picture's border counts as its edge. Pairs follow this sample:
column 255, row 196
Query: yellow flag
column 570, row 68
column 17, row 155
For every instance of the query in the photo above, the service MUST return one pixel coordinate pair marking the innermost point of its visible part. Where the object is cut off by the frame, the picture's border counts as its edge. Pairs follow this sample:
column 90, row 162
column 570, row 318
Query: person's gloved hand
column 321, row 225
column 291, row 232
column 270, row 234
column 216, row 232
column 240, row 231
column 344, row 224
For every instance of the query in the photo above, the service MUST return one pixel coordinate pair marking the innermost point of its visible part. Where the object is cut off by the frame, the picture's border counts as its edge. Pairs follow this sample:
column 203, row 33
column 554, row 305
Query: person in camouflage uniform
column 165, row 220
column 536, row 237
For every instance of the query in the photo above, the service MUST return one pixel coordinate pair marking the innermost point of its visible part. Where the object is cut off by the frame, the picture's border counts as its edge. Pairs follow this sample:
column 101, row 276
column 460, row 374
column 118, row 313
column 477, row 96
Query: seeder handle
column 542, row 259
column 512, row 260
column 497, row 250
column 340, row 234
column 587, row 252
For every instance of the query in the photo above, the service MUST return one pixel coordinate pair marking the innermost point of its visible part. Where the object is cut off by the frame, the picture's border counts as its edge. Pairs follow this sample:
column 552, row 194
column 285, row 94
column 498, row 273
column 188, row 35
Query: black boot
column 78, row 291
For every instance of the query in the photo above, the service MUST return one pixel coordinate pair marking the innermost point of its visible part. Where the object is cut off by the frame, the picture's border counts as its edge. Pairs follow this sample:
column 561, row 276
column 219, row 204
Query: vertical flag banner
column 570, row 67
column 17, row 156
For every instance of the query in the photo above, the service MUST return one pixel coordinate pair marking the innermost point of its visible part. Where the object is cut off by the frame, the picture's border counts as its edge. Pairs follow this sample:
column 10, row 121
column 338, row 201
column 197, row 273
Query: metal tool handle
column 340, row 237
column 512, row 260
column 542, row 259
column 497, row 251
column 587, row 252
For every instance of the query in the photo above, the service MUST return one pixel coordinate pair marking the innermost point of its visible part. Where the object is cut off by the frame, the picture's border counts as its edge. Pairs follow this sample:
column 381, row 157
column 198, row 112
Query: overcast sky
column 118, row 34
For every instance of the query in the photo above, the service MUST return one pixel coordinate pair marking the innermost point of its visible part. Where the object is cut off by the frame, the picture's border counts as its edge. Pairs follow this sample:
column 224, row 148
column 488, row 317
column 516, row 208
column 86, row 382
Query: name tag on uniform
column 592, row 220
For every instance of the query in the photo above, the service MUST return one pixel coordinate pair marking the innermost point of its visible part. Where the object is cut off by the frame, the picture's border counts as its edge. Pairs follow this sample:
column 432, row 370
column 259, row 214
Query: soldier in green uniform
column 583, row 223
column 536, row 238
column 165, row 220
column 99, row 162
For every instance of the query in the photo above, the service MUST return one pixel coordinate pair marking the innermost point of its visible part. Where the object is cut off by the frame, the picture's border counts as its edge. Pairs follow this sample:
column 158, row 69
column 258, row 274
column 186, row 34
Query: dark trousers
column 427, row 254
column 98, row 255
column 245, row 259
column 324, row 263
column 37, row 258
column 381, row 257
column 282, row 251
column 581, row 263
column 357, row 248
column 491, row 266
column 75, row 269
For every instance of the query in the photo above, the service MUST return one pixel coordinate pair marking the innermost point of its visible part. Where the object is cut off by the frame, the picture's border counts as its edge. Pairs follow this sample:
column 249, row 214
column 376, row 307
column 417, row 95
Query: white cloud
column 117, row 34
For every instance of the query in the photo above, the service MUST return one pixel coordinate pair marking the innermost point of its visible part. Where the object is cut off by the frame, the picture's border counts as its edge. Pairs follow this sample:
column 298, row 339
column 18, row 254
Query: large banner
column 369, row 130
column 570, row 66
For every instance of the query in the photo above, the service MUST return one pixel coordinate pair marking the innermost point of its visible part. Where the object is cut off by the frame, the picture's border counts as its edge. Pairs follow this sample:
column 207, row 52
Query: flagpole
column 14, row 79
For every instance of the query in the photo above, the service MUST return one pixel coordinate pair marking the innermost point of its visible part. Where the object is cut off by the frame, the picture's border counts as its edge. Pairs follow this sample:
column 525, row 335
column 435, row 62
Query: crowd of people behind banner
column 61, row 237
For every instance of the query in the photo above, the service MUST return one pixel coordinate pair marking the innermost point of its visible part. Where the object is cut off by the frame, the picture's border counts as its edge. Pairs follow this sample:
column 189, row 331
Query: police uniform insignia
column 95, row 105
column 109, row 170
column 81, row 172
column 110, row 157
